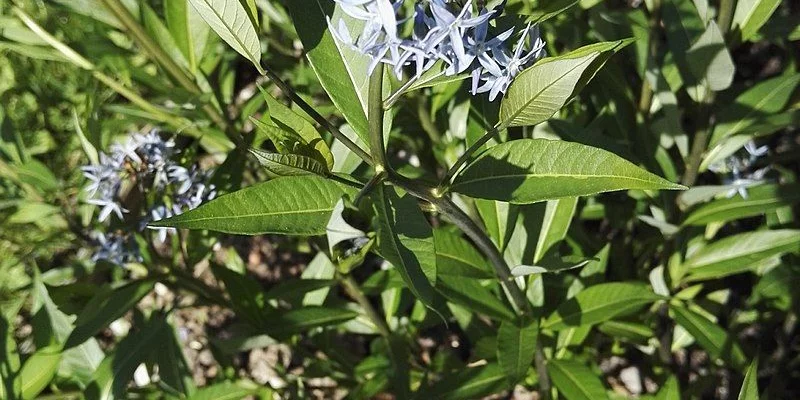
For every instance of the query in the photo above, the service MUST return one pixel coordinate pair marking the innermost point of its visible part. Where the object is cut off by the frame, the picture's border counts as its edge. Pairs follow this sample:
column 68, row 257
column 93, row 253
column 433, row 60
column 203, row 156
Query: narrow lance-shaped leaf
column 230, row 20
column 760, row 200
column 106, row 308
column 116, row 370
column 555, row 223
column 751, row 15
column 749, row 389
column 532, row 170
column 467, row 384
column 516, row 345
column 306, row 318
column 342, row 71
column 740, row 252
column 470, row 293
column 541, row 90
column 717, row 341
column 405, row 239
column 767, row 97
column 575, row 381
column 294, row 205
column 600, row 303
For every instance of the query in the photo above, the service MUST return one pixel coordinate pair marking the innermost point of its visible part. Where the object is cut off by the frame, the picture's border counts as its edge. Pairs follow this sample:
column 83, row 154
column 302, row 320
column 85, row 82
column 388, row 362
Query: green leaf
column 575, row 381
column 225, row 391
column 555, row 223
column 760, row 200
column 405, row 239
column 230, row 20
column 670, row 390
column 767, row 97
column 467, row 383
column 341, row 70
column 9, row 362
column 173, row 370
column 751, row 15
column 634, row 332
column 497, row 216
column 471, row 294
column 717, row 341
column 541, row 90
column 307, row 318
column 600, row 303
column 532, row 170
column 162, row 36
column 551, row 263
column 749, row 389
column 292, row 205
column 39, row 370
column 738, row 253
column 176, row 12
column 709, row 59
column 456, row 256
column 288, row 164
column 246, row 294
column 516, row 345
column 297, row 127
column 105, row 308
column 116, row 371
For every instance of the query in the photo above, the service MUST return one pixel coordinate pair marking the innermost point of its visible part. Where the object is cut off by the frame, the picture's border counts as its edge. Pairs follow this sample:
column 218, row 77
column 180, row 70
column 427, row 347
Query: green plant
column 476, row 208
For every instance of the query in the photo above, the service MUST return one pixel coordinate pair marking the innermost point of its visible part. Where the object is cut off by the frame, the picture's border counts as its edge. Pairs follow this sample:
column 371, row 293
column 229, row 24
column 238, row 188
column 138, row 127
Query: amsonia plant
column 476, row 199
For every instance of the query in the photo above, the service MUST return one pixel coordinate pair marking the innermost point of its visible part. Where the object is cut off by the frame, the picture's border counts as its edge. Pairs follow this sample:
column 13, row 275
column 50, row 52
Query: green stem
column 375, row 118
column 295, row 98
column 353, row 290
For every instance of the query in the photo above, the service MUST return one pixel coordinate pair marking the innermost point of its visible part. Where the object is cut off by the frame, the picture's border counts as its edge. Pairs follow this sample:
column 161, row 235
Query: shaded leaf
column 306, row 318
column 575, row 381
column 468, row 383
column 717, row 341
column 470, row 293
column 749, row 389
column 456, row 256
column 516, row 345
column 405, row 239
column 600, row 303
column 105, row 308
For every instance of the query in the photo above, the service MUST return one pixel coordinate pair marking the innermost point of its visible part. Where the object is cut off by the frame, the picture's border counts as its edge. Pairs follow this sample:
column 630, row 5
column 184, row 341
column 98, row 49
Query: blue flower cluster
column 737, row 170
column 456, row 36
column 148, row 160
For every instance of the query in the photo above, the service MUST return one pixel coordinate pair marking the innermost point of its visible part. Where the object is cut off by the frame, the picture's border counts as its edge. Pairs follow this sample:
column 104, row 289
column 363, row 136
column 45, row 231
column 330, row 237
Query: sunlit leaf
column 532, row 170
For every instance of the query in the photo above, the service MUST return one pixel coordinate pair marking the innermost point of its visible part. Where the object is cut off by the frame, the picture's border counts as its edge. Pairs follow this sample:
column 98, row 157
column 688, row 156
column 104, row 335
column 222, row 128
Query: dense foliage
column 521, row 199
